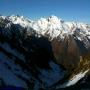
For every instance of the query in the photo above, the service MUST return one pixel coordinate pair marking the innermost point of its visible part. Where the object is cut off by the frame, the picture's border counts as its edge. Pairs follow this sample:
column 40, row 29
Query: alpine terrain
column 47, row 54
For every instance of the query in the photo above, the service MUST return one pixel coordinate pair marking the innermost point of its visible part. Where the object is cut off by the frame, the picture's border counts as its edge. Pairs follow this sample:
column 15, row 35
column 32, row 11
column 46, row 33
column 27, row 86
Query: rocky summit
column 47, row 54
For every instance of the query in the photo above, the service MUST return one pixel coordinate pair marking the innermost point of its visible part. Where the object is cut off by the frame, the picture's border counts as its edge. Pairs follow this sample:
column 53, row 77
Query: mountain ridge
column 53, row 26
column 46, row 51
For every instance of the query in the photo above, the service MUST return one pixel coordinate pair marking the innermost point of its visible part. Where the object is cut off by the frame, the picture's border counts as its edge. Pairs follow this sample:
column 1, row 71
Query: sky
column 68, row 10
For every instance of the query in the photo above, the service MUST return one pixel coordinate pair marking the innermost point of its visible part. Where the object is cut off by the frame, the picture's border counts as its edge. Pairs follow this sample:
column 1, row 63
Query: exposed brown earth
column 66, row 52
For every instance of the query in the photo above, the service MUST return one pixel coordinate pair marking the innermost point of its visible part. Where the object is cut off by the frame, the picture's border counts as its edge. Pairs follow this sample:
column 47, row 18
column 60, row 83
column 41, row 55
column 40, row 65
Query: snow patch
column 73, row 80
column 8, row 75
column 13, row 51
column 50, row 77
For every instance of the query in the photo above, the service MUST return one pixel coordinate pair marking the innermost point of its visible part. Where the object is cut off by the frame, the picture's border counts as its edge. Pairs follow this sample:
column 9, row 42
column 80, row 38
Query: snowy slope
column 13, row 75
column 73, row 80
column 52, row 26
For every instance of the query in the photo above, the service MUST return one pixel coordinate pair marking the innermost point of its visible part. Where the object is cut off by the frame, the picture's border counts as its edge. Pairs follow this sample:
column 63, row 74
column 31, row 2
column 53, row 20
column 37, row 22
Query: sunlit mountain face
column 47, row 54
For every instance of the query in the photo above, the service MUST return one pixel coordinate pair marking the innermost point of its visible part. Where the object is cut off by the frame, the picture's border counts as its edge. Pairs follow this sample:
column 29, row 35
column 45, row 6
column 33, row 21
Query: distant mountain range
column 47, row 54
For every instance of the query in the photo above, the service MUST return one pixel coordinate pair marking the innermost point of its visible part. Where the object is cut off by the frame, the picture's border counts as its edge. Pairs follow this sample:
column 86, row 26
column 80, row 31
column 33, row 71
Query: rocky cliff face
column 44, row 54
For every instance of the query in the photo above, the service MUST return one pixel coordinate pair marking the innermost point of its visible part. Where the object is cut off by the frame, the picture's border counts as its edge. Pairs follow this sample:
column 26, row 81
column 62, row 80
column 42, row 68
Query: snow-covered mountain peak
column 19, row 20
column 52, row 26
column 54, row 19
column 45, row 54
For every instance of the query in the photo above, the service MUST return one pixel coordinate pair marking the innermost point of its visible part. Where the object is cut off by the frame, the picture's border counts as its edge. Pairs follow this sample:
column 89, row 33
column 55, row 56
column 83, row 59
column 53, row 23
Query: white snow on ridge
column 20, row 20
column 52, row 26
column 73, row 80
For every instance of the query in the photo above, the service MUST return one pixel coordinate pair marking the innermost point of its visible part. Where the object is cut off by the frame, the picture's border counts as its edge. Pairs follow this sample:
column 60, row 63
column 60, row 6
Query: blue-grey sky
column 77, row 10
